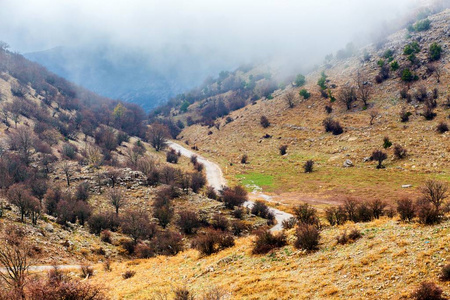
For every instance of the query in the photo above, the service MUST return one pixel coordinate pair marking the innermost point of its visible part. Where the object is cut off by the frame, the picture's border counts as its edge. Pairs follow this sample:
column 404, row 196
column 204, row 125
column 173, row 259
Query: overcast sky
column 236, row 29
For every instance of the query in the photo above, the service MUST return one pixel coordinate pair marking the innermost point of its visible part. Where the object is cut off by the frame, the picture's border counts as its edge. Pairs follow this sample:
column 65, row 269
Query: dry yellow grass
column 301, row 129
column 387, row 263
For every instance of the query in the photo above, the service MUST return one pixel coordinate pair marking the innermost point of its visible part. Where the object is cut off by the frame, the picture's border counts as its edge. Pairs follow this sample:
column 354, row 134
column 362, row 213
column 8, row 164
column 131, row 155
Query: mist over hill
column 142, row 77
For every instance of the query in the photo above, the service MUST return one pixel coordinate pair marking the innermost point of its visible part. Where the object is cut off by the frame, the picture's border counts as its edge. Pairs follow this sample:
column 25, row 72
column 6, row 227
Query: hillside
column 388, row 262
column 91, row 184
column 147, row 78
column 301, row 129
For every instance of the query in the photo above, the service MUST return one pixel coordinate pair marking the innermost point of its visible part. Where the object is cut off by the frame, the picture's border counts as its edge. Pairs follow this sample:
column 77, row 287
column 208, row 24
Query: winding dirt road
column 215, row 179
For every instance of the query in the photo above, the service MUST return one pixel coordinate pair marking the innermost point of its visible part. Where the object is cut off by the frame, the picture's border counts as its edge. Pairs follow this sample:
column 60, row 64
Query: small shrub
column 289, row 223
column 405, row 208
column 400, row 152
column 328, row 109
column 82, row 191
column 300, row 80
column 355, row 234
column 379, row 156
column 172, row 157
column 68, row 151
column 308, row 237
column 212, row 241
column 308, row 166
column 107, row 265
column 445, row 273
column 99, row 222
column 377, row 207
column 87, row 271
column 232, row 197
column 435, row 51
column 442, row 127
column 188, row 221
column 428, row 113
column 238, row 213
column 343, row 238
column 143, row 250
column 404, row 93
column 335, row 215
column 404, row 116
column 128, row 274
column 306, row 214
column 386, row 142
column 211, row 193
column 220, row 222
column 197, row 182
column 364, row 212
column 237, row 227
column 266, row 241
column 394, row 66
column 168, row 242
column 407, row 75
column 244, row 159
column 283, row 149
column 427, row 213
column 105, row 236
column 260, row 209
column 182, row 293
column 264, row 122
column 305, row 94
column 332, row 126
column 428, row 291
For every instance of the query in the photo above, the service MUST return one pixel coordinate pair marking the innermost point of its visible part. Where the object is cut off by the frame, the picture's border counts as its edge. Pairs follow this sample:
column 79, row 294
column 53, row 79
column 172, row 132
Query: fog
column 176, row 36
column 230, row 30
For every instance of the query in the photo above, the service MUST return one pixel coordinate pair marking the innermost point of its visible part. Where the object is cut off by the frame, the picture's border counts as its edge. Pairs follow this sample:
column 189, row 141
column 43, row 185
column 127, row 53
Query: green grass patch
column 259, row 179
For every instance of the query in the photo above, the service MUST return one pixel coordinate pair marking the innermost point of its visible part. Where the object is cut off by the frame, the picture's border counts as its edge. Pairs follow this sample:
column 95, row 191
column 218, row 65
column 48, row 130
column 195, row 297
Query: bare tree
column 133, row 155
column 117, row 199
column 67, row 172
column 113, row 175
column 22, row 140
column 157, row 136
column 290, row 98
column 20, row 196
column 347, row 96
column 364, row 88
column 14, row 261
column 373, row 114
column 435, row 192
column 379, row 156
column 94, row 155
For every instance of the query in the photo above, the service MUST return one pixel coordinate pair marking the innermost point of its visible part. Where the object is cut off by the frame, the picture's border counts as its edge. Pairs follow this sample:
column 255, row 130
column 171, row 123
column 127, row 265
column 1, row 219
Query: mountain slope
column 145, row 78
column 301, row 129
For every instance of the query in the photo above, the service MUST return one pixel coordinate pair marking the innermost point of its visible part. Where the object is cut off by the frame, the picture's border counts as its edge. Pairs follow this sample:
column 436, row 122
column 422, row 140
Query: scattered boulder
column 348, row 163
column 405, row 186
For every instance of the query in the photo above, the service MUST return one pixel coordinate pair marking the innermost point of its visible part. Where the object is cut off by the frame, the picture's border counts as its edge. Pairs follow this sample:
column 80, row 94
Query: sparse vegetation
column 308, row 237
column 264, row 122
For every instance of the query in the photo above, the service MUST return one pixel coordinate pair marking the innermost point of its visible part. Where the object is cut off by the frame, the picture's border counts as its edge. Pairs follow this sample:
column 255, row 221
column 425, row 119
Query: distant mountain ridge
column 147, row 79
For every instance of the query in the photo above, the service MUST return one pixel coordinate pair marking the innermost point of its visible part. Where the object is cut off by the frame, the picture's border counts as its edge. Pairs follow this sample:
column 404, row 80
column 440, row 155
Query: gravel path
column 215, row 179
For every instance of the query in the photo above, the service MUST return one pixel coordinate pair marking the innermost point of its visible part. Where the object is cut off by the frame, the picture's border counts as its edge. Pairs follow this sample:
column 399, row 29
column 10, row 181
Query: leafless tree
column 14, row 261
column 117, row 199
column 157, row 136
column 435, row 192
column 290, row 98
column 22, row 140
column 347, row 96
column 21, row 197
column 113, row 175
column 133, row 155
column 67, row 172
column 94, row 155
column 373, row 114
column 364, row 88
